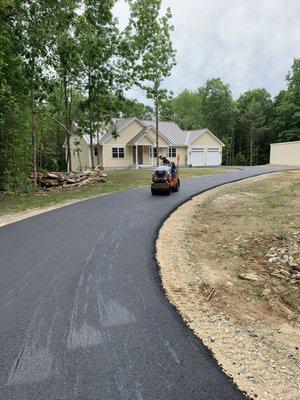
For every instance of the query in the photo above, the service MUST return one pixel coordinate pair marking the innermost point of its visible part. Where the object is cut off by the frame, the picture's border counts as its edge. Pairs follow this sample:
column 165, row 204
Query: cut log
column 56, row 180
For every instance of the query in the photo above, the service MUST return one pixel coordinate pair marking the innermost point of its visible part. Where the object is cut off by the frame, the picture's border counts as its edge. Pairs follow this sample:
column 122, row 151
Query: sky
column 246, row 43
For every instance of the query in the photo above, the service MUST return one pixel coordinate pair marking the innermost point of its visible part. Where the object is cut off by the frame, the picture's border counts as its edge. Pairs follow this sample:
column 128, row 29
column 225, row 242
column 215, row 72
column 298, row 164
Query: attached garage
column 197, row 157
column 287, row 153
column 205, row 149
column 213, row 157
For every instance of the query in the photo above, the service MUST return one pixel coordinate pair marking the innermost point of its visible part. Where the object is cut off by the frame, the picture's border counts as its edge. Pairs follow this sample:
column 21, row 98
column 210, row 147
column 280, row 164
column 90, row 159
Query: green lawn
column 117, row 181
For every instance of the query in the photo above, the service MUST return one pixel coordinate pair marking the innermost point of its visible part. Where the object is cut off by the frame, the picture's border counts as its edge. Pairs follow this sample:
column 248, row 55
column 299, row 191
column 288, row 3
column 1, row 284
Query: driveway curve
column 82, row 311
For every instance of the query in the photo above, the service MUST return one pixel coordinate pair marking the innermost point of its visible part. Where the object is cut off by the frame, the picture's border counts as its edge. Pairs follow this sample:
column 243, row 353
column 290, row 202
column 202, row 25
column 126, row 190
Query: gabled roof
column 192, row 136
column 139, row 136
column 170, row 131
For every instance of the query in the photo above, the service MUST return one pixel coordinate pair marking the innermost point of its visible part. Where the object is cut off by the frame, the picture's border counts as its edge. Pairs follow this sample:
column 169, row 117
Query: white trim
column 277, row 144
column 198, row 149
column 118, row 158
column 124, row 127
column 211, row 134
column 171, row 148
column 142, row 137
column 159, row 134
column 136, row 157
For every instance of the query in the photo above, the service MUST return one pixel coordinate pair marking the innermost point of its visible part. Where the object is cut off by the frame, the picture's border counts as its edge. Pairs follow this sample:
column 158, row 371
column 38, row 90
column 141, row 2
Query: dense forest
column 247, row 125
column 66, row 60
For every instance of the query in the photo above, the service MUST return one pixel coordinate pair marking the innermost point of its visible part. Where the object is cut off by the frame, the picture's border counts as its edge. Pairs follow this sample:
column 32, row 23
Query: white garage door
column 213, row 157
column 197, row 157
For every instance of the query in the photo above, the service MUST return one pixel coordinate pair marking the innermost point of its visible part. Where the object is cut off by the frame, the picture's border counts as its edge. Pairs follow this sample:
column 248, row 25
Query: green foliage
column 132, row 108
column 150, row 56
column 185, row 110
column 240, row 159
column 287, row 107
column 59, row 65
column 254, row 123
column 217, row 107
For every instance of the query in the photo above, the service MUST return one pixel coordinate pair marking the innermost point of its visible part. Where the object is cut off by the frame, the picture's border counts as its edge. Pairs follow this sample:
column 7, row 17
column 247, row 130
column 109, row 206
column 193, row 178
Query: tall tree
column 254, row 122
column 13, row 100
column 36, row 23
column 263, row 98
column 287, row 107
column 217, row 107
column 66, row 63
column 97, row 35
column 185, row 110
column 151, row 55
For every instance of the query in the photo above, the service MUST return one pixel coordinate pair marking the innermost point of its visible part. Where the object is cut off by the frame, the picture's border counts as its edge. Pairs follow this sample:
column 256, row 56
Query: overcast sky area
column 247, row 43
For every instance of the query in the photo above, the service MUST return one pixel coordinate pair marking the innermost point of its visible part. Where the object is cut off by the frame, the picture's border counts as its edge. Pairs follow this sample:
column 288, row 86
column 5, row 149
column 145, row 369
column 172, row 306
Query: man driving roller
column 164, row 160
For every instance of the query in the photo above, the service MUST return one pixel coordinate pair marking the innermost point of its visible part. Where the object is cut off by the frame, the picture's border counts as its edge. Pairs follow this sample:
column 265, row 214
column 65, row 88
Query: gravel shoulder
column 229, row 263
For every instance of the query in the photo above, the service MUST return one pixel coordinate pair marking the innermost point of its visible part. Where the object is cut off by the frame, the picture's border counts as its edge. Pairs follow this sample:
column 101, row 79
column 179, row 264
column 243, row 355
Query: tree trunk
column 90, row 119
column 251, row 147
column 66, row 100
column 98, row 149
column 156, row 120
column 33, row 125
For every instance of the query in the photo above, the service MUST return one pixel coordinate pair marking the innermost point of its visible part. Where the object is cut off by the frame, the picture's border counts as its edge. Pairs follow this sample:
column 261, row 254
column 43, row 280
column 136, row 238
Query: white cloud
column 247, row 44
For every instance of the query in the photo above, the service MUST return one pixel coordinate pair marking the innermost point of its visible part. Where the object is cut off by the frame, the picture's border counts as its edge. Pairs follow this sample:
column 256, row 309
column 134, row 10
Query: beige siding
column 126, row 134
column 285, row 154
column 110, row 162
column 80, row 160
column 161, row 141
column 145, row 141
column 206, row 140
column 182, row 151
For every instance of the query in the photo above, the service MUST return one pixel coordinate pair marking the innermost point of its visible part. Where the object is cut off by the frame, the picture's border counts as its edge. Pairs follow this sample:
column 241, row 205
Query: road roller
column 165, row 179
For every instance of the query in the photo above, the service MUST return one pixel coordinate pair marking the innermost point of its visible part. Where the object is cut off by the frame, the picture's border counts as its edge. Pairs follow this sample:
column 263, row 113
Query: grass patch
column 117, row 181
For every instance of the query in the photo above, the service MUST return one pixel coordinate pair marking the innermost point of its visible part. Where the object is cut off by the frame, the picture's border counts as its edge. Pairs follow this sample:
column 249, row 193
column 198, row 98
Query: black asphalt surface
column 82, row 311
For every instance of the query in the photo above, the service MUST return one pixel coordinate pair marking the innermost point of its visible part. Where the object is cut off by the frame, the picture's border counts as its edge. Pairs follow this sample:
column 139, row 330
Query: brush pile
column 55, row 180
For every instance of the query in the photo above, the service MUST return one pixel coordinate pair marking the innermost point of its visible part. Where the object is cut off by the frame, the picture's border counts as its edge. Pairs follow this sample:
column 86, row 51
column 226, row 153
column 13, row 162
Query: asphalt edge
column 157, row 275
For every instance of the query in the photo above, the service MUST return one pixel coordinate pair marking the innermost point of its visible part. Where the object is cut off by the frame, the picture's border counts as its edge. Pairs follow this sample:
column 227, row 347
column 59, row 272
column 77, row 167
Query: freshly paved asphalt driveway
column 82, row 313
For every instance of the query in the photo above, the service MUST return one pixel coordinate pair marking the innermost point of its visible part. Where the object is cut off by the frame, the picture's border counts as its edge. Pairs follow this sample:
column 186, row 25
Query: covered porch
column 144, row 150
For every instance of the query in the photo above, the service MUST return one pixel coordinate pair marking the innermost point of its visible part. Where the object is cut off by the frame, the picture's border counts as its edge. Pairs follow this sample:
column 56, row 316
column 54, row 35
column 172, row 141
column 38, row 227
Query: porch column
column 136, row 157
column 152, row 156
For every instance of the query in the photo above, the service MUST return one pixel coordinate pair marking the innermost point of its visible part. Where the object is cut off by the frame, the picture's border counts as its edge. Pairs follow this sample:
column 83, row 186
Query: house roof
column 173, row 134
column 191, row 136
column 171, row 131
column 138, row 137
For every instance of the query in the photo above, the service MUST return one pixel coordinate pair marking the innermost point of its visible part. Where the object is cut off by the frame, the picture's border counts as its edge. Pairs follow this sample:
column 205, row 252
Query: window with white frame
column 118, row 152
column 95, row 151
column 172, row 152
column 153, row 152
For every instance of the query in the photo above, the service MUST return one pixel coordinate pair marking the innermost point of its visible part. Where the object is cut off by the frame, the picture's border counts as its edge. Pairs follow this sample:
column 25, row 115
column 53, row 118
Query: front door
column 140, row 155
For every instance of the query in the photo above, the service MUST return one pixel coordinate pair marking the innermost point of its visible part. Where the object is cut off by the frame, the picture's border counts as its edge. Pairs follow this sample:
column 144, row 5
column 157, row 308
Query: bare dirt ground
column 232, row 270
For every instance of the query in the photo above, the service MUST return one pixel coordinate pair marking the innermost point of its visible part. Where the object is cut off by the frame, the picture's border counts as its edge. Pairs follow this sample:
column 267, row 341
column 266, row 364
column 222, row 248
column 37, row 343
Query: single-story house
column 287, row 153
column 135, row 146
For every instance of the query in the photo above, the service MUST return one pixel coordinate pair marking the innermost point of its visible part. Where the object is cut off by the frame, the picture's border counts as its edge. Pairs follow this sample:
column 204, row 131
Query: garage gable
column 207, row 139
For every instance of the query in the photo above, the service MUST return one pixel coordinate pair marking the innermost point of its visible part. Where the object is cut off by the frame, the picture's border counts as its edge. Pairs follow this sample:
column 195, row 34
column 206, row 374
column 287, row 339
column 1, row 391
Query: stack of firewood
column 69, row 180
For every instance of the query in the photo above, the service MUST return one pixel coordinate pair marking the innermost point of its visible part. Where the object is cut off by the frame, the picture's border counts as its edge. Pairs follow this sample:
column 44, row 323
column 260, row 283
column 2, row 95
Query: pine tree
column 254, row 122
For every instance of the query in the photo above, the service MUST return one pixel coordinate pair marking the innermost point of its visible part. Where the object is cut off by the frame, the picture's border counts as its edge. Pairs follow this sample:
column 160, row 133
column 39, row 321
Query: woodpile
column 69, row 180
